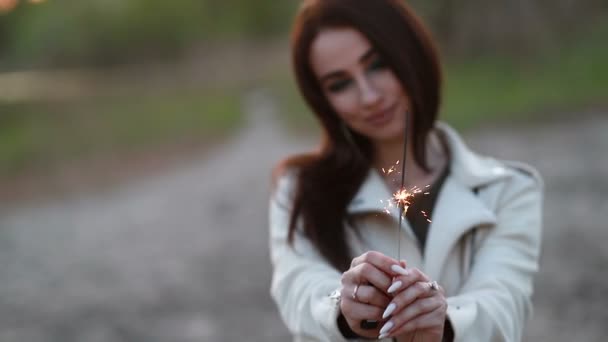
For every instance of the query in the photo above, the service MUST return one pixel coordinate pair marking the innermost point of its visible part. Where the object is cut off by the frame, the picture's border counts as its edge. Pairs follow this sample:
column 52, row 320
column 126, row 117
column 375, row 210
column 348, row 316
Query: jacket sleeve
column 302, row 280
column 495, row 301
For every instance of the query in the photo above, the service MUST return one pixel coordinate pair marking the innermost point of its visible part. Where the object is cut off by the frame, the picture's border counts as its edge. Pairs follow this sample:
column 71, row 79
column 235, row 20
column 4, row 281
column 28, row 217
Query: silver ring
column 433, row 285
column 355, row 292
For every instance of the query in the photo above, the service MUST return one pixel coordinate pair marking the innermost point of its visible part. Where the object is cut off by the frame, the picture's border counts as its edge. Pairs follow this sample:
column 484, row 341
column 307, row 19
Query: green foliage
column 555, row 82
column 39, row 134
column 102, row 32
column 99, row 32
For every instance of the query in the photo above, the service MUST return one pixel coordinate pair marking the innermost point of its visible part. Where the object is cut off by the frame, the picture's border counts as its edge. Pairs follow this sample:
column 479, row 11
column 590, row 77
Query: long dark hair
column 328, row 179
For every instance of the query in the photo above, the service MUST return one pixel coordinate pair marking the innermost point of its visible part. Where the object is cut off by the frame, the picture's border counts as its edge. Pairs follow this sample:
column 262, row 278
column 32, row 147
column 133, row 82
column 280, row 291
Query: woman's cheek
column 345, row 103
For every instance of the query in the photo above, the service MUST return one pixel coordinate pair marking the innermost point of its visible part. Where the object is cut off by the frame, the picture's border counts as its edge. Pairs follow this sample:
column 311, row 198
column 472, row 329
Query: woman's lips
column 382, row 117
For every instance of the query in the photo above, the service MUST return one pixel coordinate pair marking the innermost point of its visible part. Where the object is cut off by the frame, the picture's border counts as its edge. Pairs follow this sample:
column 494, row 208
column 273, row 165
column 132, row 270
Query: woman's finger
column 368, row 294
column 358, row 311
column 431, row 320
column 384, row 263
column 419, row 307
column 402, row 282
column 406, row 297
column 364, row 274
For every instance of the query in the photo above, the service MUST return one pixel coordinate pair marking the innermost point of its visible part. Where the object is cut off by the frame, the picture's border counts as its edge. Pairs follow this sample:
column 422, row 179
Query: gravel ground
column 182, row 256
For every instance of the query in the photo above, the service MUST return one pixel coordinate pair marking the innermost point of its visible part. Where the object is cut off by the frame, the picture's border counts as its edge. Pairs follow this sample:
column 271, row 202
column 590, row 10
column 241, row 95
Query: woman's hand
column 418, row 309
column 364, row 290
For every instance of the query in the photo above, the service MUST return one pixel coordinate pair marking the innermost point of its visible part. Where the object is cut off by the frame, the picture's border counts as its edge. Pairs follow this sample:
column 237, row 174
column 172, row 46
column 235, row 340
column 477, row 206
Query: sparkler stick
column 402, row 188
column 403, row 202
column 402, row 196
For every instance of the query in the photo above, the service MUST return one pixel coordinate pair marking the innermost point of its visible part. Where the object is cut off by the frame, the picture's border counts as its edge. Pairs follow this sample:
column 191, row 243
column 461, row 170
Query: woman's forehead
column 337, row 49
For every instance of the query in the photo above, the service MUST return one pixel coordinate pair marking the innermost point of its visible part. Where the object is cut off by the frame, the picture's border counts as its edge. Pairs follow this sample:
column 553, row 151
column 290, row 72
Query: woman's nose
column 370, row 95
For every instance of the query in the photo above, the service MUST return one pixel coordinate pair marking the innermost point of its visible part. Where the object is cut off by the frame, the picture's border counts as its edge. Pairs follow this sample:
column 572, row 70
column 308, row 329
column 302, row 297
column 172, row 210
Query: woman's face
column 359, row 85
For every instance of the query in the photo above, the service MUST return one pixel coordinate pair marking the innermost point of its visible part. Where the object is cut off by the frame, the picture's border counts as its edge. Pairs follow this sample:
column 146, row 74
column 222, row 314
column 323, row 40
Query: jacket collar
column 466, row 168
column 457, row 210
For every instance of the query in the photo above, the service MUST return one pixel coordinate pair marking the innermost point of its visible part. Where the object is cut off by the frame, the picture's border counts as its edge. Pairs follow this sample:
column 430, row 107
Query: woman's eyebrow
column 364, row 57
column 333, row 74
column 367, row 55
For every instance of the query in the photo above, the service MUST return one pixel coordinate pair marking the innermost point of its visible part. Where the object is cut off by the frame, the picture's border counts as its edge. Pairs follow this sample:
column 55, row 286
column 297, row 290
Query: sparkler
column 403, row 198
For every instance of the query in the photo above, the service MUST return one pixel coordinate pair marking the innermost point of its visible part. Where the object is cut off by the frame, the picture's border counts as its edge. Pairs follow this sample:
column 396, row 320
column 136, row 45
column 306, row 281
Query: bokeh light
column 7, row 5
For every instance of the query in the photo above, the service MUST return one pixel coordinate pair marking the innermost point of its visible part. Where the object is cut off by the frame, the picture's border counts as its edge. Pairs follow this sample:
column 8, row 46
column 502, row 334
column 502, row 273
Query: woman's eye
column 338, row 86
column 377, row 64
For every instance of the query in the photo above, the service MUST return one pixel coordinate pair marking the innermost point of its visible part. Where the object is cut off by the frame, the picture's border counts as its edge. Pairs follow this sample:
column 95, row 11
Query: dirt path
column 182, row 256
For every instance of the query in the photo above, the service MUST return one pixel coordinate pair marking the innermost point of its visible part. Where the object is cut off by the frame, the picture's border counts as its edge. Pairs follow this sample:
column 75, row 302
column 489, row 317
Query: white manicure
column 400, row 270
column 389, row 310
column 386, row 328
column 396, row 285
column 382, row 336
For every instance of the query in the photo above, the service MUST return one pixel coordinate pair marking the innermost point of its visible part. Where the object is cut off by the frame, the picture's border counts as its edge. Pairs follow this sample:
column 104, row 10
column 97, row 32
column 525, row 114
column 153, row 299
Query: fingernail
column 400, row 270
column 382, row 336
column 386, row 328
column 396, row 285
column 389, row 310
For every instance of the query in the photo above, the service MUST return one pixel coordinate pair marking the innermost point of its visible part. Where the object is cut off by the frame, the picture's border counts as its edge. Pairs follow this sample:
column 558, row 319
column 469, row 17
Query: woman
column 461, row 267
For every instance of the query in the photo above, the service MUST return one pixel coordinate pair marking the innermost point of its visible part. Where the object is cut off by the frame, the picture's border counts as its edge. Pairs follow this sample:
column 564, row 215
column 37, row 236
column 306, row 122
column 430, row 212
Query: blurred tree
column 101, row 32
column 508, row 28
column 63, row 32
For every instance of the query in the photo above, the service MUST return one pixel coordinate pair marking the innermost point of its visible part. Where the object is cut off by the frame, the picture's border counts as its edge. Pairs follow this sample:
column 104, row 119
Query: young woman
column 470, row 242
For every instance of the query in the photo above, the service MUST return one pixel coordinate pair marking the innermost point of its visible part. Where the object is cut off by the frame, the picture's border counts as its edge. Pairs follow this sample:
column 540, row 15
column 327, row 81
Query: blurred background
column 137, row 139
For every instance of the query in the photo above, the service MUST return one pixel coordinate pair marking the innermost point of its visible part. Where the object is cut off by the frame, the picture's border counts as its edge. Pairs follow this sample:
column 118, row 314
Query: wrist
column 345, row 329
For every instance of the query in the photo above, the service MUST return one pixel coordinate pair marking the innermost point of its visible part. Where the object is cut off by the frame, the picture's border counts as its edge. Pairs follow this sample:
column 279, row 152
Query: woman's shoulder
column 478, row 170
column 516, row 180
column 286, row 174
column 523, row 173
column 283, row 183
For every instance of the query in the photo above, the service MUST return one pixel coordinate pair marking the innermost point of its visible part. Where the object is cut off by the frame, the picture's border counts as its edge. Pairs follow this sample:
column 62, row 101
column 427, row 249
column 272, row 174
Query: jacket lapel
column 374, row 197
column 457, row 211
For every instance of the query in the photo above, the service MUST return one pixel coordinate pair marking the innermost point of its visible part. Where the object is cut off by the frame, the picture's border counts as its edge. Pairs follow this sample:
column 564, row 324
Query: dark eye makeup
column 338, row 85
column 376, row 63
